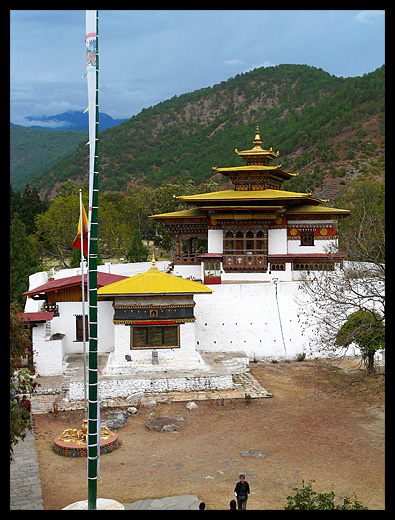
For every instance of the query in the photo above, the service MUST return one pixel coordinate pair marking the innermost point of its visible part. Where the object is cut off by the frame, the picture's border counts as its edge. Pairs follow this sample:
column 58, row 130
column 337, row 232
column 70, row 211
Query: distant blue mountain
column 71, row 120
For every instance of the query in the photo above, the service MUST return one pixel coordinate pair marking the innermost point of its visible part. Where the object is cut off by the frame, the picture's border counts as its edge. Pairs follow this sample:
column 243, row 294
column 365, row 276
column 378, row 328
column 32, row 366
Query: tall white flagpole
column 92, row 68
column 83, row 306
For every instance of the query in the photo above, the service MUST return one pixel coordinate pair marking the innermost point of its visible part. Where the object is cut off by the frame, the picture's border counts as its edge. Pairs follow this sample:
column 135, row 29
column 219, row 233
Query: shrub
column 307, row 499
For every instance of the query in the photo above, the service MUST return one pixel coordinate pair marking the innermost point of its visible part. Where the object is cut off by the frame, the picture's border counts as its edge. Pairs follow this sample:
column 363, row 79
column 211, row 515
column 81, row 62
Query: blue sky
column 149, row 56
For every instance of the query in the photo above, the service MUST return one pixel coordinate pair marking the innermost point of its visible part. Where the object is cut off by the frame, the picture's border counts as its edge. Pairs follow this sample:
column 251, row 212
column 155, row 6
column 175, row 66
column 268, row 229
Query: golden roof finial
column 257, row 140
column 153, row 264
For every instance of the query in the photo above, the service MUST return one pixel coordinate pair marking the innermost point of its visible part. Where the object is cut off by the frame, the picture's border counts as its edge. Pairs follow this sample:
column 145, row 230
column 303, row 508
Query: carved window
column 307, row 238
column 153, row 336
column 79, row 330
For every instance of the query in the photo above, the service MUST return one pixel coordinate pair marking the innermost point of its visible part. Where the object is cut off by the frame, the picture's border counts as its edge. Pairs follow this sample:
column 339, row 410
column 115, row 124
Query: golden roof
column 246, row 196
column 255, row 168
column 185, row 213
column 257, row 151
column 153, row 282
column 296, row 210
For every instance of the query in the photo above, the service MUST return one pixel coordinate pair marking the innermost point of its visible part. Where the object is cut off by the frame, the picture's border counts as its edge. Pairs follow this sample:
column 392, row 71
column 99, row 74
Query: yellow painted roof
column 153, row 282
column 185, row 213
column 317, row 209
column 233, row 195
column 254, row 168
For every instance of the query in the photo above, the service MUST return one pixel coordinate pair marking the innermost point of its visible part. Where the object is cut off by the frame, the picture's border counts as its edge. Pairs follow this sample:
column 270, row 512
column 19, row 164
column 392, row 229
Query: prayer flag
column 77, row 241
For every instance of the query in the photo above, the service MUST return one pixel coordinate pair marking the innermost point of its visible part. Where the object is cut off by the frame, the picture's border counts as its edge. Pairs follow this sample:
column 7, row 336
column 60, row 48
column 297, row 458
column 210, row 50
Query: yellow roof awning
column 153, row 282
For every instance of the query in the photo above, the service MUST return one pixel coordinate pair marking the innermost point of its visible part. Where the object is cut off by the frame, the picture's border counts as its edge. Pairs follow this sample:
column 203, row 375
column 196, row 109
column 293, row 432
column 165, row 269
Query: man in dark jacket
column 242, row 492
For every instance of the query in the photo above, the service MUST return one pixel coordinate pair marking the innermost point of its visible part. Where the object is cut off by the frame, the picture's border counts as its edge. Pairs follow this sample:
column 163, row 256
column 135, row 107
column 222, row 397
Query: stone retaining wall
column 111, row 388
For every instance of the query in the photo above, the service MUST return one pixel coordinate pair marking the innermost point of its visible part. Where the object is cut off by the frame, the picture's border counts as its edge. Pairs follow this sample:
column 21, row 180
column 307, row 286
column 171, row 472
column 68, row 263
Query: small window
column 212, row 268
column 78, row 328
column 307, row 238
column 155, row 337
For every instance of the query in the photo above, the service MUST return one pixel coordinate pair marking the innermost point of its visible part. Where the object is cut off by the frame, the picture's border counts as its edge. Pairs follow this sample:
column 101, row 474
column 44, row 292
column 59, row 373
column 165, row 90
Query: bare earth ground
column 323, row 422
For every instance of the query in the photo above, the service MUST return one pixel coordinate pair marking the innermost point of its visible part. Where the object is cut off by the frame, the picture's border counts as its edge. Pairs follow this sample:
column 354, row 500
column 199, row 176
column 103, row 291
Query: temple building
column 255, row 229
column 163, row 332
column 154, row 322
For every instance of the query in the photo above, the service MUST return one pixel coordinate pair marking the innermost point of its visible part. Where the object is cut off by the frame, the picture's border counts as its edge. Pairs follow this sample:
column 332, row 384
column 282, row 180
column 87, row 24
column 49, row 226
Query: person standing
column 242, row 492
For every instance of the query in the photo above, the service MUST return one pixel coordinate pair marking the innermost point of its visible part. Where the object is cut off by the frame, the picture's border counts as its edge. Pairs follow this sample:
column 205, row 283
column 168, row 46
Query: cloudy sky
column 150, row 56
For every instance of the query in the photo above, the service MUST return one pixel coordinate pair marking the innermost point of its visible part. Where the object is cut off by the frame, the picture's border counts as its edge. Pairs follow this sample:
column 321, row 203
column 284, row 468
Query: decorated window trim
column 143, row 337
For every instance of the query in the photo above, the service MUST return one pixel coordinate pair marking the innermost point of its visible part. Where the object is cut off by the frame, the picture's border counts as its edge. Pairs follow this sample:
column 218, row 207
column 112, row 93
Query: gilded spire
column 257, row 140
column 153, row 264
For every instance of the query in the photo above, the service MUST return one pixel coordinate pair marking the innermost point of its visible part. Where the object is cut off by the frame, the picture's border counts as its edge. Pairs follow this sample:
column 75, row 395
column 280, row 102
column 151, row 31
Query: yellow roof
column 317, row 209
column 185, row 213
column 254, row 167
column 257, row 150
column 233, row 195
column 153, row 282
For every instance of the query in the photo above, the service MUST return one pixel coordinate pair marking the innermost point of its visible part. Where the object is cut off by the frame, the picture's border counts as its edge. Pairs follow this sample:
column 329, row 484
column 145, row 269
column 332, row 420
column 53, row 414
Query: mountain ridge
column 71, row 120
column 328, row 129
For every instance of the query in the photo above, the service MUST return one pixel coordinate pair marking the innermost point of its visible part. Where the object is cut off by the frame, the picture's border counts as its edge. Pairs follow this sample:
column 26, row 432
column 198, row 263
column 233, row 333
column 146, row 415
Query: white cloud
column 234, row 63
column 259, row 65
column 368, row 16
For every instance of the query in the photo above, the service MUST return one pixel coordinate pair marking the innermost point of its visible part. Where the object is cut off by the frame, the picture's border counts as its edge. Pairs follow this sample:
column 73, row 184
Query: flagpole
column 83, row 305
column 93, row 441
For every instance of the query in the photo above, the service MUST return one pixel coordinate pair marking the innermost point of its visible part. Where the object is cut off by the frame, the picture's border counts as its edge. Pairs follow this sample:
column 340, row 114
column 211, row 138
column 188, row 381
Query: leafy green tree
column 137, row 251
column 365, row 329
column 21, row 381
column 57, row 227
column 307, row 499
column 24, row 260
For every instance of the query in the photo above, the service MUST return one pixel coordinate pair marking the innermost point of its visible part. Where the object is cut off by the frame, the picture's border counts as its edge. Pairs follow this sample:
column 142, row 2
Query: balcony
column 52, row 308
column 187, row 258
column 244, row 261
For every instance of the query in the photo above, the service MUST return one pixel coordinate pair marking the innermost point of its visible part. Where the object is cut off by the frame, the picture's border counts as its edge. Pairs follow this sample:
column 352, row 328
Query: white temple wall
column 277, row 241
column 215, row 241
column 250, row 318
column 65, row 324
column 320, row 246
column 184, row 355
column 48, row 354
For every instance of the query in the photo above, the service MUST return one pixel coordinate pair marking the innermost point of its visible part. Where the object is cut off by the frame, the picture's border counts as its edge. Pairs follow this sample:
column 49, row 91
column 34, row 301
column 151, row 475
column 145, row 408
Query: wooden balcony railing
column 244, row 262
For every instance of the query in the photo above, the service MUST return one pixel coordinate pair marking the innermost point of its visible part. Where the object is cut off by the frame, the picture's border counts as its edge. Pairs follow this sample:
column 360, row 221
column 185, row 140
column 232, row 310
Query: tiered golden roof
column 257, row 189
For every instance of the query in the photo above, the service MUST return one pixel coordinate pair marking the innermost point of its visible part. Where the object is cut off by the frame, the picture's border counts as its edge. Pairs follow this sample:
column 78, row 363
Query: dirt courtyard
column 323, row 422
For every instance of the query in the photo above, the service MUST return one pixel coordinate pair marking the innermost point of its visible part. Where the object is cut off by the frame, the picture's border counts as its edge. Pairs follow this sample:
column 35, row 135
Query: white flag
column 91, row 52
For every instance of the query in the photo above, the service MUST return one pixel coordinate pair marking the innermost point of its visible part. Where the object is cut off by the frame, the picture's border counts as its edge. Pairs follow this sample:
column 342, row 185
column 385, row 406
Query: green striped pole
column 93, row 440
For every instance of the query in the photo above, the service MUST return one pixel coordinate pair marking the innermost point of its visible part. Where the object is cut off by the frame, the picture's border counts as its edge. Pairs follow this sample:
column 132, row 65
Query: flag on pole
column 82, row 224
column 91, row 68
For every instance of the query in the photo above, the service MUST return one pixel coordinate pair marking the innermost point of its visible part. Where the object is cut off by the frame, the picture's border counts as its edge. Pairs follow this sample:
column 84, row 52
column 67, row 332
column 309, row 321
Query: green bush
column 307, row 499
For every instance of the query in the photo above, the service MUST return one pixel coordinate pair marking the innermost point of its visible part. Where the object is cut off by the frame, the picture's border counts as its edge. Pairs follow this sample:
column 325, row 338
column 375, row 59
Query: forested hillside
column 34, row 150
column 328, row 129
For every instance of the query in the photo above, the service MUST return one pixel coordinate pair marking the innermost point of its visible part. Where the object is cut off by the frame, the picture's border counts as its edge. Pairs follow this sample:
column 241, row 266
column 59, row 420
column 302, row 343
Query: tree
column 329, row 298
column 24, row 260
column 137, row 251
column 27, row 206
column 57, row 227
column 362, row 234
column 366, row 329
column 21, row 381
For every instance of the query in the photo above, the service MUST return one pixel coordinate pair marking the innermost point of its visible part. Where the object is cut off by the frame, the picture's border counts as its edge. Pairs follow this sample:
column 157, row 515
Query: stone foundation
column 112, row 387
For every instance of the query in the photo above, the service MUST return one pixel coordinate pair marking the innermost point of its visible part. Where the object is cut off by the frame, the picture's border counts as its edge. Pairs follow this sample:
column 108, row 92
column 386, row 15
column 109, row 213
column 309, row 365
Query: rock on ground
column 164, row 424
column 181, row 502
column 115, row 420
